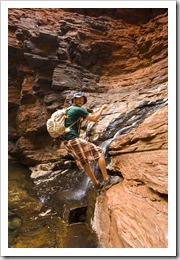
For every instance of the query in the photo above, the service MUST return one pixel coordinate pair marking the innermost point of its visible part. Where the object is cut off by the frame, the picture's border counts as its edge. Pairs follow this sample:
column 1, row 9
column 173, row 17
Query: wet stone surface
column 58, row 201
column 125, row 122
column 69, row 192
column 34, row 224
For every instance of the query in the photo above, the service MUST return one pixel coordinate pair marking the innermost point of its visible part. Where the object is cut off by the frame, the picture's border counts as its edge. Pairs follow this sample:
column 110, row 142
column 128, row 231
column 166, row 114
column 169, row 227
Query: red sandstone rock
column 130, row 215
column 142, row 153
column 117, row 57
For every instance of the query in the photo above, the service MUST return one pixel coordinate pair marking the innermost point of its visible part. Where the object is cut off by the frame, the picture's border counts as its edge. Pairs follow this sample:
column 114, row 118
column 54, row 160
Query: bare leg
column 91, row 174
column 102, row 166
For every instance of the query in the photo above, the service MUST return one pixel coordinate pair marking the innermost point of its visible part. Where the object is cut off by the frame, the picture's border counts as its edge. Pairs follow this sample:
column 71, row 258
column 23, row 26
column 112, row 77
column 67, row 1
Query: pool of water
column 31, row 224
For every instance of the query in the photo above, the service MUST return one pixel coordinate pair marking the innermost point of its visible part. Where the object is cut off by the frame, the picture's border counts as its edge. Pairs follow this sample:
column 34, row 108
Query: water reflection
column 33, row 225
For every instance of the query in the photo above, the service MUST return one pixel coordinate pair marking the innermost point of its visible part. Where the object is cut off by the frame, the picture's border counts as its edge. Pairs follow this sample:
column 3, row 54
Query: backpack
column 56, row 123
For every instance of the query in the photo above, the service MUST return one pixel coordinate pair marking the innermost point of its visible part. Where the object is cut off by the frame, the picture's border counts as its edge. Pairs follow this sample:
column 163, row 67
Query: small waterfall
column 66, row 190
column 125, row 122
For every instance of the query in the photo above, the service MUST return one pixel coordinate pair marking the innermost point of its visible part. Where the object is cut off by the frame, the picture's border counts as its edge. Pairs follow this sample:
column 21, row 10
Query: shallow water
column 33, row 225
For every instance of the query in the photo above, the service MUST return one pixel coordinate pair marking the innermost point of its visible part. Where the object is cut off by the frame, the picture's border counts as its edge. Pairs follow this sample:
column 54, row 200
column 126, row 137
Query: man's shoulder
column 80, row 111
column 76, row 108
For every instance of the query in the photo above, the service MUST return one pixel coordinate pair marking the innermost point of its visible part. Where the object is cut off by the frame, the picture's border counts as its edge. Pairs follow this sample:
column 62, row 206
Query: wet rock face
column 144, row 148
column 116, row 56
column 138, row 205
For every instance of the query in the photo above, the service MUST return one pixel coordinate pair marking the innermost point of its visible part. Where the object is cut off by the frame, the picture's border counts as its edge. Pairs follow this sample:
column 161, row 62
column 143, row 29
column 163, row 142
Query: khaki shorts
column 83, row 151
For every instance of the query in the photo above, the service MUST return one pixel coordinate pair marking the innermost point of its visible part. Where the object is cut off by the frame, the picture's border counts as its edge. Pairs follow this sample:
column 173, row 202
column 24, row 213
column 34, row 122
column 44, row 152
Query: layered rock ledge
column 116, row 56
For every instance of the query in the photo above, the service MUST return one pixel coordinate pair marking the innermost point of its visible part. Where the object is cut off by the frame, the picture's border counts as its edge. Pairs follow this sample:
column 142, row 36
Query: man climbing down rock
column 83, row 151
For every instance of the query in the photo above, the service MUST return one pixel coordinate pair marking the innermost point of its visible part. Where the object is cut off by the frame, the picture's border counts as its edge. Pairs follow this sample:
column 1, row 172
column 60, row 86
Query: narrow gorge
column 118, row 57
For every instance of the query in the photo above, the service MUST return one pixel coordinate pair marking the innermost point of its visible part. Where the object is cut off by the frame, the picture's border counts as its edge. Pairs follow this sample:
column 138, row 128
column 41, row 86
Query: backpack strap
column 75, row 121
column 68, row 108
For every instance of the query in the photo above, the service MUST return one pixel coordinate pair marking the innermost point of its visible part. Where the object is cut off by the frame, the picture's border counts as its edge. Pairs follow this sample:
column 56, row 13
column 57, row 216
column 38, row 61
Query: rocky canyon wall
column 116, row 56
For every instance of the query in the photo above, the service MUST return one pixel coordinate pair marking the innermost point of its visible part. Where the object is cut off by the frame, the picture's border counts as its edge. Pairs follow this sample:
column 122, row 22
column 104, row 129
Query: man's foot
column 107, row 183
column 98, row 186
column 111, row 181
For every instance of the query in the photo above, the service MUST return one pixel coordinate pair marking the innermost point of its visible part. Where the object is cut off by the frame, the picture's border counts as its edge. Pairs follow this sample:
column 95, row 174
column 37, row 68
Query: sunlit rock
column 130, row 215
column 118, row 57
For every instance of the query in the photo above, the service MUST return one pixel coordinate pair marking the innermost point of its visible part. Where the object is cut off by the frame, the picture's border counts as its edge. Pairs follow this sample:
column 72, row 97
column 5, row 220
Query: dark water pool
column 31, row 225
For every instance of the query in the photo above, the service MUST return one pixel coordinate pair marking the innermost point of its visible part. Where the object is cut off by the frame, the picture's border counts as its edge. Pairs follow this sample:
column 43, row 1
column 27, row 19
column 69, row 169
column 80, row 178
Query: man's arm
column 96, row 115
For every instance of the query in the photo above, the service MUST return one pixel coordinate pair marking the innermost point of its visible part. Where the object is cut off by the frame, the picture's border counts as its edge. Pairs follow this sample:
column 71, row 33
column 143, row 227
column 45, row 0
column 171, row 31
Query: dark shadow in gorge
column 32, row 224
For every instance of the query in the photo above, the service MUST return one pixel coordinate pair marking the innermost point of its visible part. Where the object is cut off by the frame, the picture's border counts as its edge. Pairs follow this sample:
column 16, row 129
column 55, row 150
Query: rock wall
column 117, row 56
column 137, row 207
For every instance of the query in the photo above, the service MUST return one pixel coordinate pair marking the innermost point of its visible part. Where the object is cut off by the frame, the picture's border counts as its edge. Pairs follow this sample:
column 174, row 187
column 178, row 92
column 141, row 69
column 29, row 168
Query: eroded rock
column 142, row 153
column 130, row 215
column 111, row 60
column 116, row 56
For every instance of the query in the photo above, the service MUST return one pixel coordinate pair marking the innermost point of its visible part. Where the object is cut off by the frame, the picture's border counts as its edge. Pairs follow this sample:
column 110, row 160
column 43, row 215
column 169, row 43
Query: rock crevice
column 116, row 56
